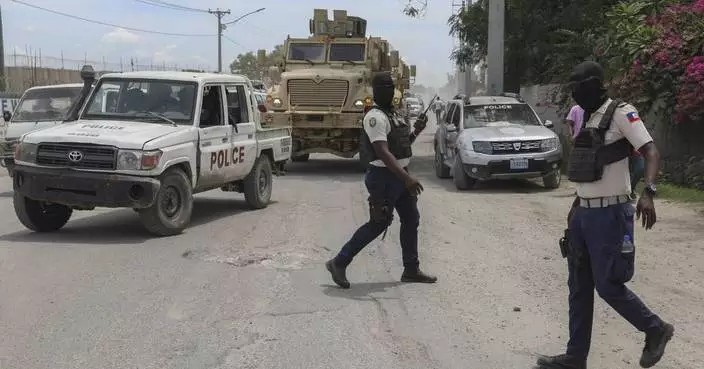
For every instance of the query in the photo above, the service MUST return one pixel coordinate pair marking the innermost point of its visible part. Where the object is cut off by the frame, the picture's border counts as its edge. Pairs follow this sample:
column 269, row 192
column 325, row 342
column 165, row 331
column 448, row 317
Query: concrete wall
column 18, row 79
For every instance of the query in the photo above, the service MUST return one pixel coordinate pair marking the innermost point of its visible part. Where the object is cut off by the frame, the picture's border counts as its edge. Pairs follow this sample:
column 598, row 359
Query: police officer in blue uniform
column 387, row 138
column 599, row 242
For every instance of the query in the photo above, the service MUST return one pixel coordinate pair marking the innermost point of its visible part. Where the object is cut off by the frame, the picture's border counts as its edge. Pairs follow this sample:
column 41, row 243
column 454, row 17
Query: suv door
column 215, row 137
column 241, row 115
column 453, row 126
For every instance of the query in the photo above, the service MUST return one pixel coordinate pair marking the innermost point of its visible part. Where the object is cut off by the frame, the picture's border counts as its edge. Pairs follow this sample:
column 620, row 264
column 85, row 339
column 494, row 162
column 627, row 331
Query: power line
column 110, row 24
column 233, row 41
column 164, row 4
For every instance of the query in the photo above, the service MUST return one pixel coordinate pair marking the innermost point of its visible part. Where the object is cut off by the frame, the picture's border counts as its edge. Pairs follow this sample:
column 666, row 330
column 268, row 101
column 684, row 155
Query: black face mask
column 589, row 95
column 383, row 96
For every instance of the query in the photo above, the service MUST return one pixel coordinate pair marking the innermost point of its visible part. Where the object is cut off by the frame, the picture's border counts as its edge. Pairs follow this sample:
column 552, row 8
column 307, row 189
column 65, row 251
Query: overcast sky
column 423, row 42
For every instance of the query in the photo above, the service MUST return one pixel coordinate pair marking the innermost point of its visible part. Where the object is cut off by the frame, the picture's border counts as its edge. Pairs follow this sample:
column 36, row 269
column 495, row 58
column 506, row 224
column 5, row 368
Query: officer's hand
column 413, row 186
column 421, row 122
column 646, row 209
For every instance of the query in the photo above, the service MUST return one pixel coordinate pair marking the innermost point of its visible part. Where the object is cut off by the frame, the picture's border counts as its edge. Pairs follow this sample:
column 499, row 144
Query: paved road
column 247, row 289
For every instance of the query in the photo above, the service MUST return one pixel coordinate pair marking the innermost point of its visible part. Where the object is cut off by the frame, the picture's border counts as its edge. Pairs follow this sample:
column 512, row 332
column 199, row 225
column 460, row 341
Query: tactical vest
column 590, row 153
column 398, row 139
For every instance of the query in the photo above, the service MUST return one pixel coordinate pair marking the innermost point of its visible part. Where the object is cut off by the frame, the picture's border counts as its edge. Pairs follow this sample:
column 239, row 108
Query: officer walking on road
column 600, row 240
column 388, row 138
column 439, row 107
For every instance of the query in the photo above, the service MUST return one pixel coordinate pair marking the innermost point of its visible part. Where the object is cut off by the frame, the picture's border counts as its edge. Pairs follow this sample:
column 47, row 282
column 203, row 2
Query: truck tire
column 258, row 183
column 38, row 216
column 459, row 177
column 441, row 170
column 173, row 207
column 553, row 179
column 301, row 158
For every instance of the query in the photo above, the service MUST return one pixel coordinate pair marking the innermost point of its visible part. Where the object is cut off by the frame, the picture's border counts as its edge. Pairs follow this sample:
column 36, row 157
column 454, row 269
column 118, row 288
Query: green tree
column 246, row 64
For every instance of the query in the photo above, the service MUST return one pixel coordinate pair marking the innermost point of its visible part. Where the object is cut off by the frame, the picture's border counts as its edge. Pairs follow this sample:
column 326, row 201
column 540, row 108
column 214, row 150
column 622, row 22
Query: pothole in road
column 276, row 260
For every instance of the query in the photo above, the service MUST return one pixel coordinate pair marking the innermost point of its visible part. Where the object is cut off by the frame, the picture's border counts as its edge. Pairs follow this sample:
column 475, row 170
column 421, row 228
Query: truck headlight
column 482, row 147
column 276, row 102
column 136, row 159
column 26, row 152
column 550, row 144
column 358, row 104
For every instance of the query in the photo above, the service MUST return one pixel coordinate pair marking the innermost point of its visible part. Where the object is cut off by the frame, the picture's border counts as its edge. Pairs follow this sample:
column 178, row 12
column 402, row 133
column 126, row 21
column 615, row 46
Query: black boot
column 655, row 342
column 414, row 275
column 561, row 362
column 338, row 273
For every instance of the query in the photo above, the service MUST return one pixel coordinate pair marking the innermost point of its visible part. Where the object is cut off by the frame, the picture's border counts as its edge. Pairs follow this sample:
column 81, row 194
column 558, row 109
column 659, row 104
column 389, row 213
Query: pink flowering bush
column 672, row 66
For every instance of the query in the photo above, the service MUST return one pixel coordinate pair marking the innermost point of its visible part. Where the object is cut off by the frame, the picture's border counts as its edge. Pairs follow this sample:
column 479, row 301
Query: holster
column 565, row 244
column 574, row 254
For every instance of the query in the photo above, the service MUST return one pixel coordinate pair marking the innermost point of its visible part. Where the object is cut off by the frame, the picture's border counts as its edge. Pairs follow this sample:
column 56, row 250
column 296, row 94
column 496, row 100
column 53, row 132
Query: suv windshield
column 346, row 52
column 307, row 52
column 159, row 101
column 499, row 115
column 47, row 104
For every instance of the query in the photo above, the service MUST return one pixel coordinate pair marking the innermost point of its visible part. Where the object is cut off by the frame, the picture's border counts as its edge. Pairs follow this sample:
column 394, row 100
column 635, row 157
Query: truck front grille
column 66, row 155
column 504, row 147
column 329, row 92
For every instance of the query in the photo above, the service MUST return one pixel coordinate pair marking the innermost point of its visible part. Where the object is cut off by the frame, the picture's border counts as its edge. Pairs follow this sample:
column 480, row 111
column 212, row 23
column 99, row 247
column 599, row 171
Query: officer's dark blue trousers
column 383, row 184
column 599, row 232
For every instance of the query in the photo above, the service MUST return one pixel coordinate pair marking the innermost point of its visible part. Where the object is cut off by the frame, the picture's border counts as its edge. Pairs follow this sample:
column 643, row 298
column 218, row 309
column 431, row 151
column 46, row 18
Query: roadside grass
column 677, row 193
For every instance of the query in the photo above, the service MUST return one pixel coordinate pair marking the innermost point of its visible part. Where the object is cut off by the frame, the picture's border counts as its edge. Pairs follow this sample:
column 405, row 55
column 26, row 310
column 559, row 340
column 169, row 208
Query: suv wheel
column 553, row 179
column 461, row 179
column 257, row 184
column 173, row 207
column 40, row 216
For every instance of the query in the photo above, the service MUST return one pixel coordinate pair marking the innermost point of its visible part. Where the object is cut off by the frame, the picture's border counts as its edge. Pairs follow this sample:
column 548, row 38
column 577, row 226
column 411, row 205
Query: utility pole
column 2, row 57
column 221, row 27
column 495, row 49
column 457, row 7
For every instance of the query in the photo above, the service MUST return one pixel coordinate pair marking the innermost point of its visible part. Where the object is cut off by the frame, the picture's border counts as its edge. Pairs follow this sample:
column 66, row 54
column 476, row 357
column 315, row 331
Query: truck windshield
column 499, row 115
column 311, row 52
column 46, row 104
column 347, row 52
column 160, row 101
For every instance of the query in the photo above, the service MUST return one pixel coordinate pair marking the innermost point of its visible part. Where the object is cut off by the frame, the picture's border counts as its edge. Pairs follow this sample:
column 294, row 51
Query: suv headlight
column 26, row 152
column 550, row 144
column 276, row 102
column 482, row 147
column 358, row 103
column 137, row 159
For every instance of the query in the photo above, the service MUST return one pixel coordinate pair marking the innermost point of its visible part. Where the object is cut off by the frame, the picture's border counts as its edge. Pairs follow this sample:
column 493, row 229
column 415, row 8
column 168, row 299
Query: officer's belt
column 602, row 202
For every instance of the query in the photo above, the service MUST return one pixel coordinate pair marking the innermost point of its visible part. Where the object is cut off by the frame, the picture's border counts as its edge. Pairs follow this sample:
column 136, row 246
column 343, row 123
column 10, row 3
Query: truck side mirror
column 548, row 124
column 6, row 115
column 274, row 72
column 394, row 58
column 413, row 71
column 451, row 128
column 261, row 56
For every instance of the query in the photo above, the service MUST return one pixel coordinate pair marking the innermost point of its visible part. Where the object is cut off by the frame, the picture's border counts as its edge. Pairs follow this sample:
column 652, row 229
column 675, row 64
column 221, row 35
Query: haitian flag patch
column 632, row 117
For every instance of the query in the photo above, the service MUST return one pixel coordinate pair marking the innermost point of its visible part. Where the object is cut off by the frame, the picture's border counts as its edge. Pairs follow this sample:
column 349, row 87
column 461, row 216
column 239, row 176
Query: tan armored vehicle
column 324, row 84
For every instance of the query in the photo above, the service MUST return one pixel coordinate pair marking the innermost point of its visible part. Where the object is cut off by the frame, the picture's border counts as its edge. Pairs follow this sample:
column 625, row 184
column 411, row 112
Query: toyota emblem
column 75, row 156
column 517, row 146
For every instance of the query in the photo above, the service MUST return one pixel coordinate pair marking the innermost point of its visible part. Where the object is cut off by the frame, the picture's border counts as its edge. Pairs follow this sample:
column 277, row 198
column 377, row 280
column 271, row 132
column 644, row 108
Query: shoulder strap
column 605, row 122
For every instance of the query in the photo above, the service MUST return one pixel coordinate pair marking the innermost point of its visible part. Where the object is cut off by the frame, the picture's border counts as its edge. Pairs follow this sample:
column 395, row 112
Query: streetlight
column 222, row 26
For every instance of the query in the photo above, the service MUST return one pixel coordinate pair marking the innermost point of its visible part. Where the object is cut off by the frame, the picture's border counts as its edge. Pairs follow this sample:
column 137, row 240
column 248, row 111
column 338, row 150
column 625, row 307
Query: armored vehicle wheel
column 461, row 179
column 39, row 216
column 300, row 158
column 441, row 170
column 173, row 207
column 553, row 179
column 258, row 183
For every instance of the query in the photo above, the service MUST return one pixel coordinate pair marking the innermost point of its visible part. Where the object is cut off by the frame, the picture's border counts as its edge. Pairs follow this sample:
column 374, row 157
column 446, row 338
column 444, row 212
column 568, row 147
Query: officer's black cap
column 382, row 79
column 586, row 71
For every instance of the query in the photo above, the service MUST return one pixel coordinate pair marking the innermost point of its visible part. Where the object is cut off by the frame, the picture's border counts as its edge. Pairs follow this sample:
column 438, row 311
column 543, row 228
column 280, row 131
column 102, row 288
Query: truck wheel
column 39, row 216
column 257, row 184
column 173, row 207
column 552, row 180
column 441, row 170
column 300, row 158
column 461, row 179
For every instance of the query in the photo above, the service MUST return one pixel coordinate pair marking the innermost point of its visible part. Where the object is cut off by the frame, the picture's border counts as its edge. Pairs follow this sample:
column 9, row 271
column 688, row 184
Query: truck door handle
column 224, row 139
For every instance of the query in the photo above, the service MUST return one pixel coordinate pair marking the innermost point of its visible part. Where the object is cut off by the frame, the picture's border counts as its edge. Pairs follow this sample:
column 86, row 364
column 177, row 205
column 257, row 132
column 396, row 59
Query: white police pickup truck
column 164, row 137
